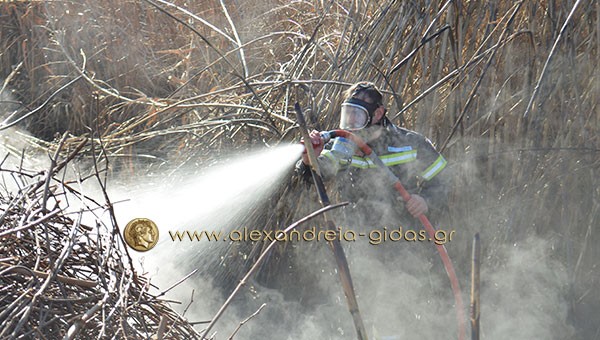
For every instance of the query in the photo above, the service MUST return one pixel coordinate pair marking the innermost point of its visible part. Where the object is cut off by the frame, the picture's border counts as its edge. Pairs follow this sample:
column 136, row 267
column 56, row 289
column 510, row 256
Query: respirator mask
column 356, row 114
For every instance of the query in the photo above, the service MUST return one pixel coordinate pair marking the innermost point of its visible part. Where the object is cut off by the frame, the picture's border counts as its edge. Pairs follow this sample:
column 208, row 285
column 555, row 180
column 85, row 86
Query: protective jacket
column 374, row 202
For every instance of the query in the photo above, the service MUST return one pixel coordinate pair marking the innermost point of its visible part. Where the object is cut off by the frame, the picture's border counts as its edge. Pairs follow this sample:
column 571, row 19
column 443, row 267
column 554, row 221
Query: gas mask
column 356, row 114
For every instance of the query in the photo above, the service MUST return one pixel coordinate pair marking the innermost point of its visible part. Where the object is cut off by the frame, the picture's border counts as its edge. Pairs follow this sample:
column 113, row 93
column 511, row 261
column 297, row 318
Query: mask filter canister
column 343, row 149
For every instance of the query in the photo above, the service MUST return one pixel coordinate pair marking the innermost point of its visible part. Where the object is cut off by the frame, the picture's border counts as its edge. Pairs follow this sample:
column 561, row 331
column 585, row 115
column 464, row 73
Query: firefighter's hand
column 317, row 143
column 416, row 205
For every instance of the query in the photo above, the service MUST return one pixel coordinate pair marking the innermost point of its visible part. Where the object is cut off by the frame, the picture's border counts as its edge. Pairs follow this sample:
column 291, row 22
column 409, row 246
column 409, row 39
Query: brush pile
column 62, row 278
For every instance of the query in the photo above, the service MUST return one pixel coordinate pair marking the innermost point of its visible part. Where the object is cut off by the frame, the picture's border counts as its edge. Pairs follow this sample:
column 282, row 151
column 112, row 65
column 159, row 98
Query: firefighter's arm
column 434, row 189
column 326, row 164
column 317, row 144
column 435, row 193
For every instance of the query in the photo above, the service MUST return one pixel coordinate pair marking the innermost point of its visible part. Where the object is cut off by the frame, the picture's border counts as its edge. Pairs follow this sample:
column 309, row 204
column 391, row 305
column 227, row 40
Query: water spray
column 344, row 145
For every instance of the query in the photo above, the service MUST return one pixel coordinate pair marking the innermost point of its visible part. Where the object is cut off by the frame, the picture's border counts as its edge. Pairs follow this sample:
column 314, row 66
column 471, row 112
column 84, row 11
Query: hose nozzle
column 353, row 141
column 327, row 136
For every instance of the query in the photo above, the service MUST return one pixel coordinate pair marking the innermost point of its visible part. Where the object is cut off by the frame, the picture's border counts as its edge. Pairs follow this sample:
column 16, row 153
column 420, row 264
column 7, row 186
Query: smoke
column 311, row 303
column 525, row 297
column 525, row 281
column 216, row 200
column 402, row 288
column 13, row 141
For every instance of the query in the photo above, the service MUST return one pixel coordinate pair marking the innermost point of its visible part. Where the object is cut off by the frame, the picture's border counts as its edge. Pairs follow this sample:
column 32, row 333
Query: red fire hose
column 460, row 313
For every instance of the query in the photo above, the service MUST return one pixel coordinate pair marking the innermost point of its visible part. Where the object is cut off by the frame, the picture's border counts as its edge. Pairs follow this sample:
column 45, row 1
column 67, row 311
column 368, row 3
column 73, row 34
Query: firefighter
column 411, row 156
column 376, row 209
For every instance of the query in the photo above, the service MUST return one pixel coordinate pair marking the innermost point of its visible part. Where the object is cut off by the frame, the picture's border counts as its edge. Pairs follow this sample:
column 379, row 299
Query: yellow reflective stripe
column 328, row 154
column 434, row 168
column 389, row 159
column 363, row 163
column 399, row 158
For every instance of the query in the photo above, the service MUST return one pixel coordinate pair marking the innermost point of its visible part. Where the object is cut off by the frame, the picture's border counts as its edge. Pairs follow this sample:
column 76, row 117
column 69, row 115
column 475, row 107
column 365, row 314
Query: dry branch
column 51, row 262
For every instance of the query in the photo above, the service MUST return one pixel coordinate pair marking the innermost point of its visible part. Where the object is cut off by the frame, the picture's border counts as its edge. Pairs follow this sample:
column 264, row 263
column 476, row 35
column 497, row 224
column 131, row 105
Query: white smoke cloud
column 524, row 297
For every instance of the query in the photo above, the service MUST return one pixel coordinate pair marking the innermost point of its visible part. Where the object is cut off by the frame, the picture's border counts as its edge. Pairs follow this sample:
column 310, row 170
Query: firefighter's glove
column 416, row 206
column 317, row 143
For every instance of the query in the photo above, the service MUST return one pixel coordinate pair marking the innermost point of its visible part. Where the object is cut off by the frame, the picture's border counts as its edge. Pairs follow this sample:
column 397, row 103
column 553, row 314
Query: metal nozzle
column 327, row 135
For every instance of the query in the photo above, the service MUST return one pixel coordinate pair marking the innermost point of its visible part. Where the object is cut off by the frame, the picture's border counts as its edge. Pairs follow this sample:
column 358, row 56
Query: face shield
column 356, row 114
column 353, row 117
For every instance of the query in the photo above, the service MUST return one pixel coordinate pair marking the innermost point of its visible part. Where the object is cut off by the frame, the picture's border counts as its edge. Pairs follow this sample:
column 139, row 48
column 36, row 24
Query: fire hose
column 342, row 135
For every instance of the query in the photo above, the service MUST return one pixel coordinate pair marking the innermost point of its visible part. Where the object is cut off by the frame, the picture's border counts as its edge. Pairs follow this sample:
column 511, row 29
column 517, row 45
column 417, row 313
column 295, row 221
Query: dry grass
column 172, row 89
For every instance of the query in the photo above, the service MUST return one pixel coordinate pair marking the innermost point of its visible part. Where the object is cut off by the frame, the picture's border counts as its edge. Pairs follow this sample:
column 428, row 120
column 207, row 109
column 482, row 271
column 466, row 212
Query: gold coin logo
column 141, row 234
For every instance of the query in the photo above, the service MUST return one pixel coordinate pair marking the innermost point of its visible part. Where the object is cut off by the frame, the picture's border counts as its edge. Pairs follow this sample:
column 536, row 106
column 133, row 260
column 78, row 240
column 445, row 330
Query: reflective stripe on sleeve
column 399, row 158
column 434, row 168
column 327, row 153
column 388, row 160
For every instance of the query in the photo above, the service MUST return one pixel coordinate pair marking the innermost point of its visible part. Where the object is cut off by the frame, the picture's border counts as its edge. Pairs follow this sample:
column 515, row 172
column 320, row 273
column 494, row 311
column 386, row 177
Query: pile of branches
column 61, row 277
